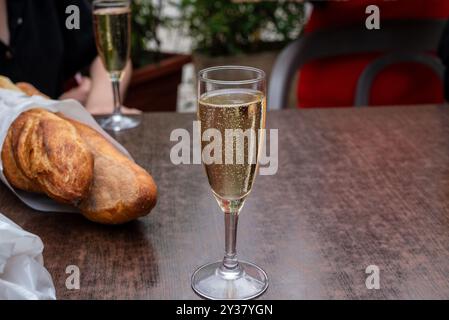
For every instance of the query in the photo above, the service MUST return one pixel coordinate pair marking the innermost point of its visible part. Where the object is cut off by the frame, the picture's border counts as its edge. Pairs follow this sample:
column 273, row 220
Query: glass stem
column 115, row 80
column 230, row 259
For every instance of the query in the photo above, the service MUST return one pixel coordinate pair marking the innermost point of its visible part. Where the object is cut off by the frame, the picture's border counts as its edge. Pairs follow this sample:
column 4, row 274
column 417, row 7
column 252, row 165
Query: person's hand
column 80, row 92
column 100, row 100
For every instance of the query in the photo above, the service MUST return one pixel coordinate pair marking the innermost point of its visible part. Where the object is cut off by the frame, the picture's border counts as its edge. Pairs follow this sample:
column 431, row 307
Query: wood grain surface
column 355, row 187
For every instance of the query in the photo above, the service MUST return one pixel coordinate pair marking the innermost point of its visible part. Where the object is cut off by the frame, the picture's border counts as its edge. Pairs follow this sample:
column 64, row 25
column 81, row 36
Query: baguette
column 5, row 83
column 51, row 155
column 30, row 90
column 72, row 163
column 24, row 87
column 121, row 190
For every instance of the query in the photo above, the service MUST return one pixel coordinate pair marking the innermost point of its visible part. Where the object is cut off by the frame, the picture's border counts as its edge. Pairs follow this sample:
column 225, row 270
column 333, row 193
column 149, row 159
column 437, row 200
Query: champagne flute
column 231, row 104
column 112, row 26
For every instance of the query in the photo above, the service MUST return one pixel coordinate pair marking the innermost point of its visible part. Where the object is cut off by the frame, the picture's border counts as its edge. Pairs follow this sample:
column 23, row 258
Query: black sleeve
column 79, row 44
column 443, row 53
column 319, row 3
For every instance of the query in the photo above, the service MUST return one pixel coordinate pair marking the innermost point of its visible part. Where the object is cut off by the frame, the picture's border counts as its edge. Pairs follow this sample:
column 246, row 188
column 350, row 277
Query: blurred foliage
column 217, row 27
column 145, row 43
column 226, row 27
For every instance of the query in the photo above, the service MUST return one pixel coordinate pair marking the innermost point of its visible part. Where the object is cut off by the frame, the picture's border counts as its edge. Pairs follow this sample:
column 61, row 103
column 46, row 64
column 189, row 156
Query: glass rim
column 260, row 75
column 111, row 3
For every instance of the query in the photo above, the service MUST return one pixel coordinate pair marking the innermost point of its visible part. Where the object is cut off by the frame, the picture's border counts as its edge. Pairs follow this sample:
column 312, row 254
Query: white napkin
column 22, row 274
column 13, row 103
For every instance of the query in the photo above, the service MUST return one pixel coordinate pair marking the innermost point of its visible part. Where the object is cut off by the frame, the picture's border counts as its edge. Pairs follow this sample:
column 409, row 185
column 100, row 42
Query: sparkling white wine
column 233, row 109
column 112, row 32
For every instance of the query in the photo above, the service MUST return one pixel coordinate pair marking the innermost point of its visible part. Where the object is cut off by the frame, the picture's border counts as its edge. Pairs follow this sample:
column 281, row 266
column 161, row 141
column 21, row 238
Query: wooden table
column 355, row 187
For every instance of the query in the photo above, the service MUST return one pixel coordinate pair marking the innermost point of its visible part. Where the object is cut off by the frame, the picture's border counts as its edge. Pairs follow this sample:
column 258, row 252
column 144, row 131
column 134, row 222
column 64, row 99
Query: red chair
column 350, row 65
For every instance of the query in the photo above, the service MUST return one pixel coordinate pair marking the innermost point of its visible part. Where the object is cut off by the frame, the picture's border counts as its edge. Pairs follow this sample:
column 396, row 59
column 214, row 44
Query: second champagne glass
column 112, row 26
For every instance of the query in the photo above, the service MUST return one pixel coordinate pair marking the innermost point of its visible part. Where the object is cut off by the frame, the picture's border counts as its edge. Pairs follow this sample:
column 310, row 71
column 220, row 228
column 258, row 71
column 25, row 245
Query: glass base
column 211, row 281
column 119, row 122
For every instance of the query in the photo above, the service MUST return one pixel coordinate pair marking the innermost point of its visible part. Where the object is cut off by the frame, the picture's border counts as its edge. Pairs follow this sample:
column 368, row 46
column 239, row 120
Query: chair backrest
column 405, row 36
column 368, row 75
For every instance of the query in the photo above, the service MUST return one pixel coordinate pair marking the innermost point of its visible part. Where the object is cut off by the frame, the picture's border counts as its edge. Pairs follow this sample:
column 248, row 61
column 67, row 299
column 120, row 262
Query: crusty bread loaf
column 72, row 163
column 29, row 89
column 49, row 156
column 121, row 190
column 5, row 83
column 25, row 87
